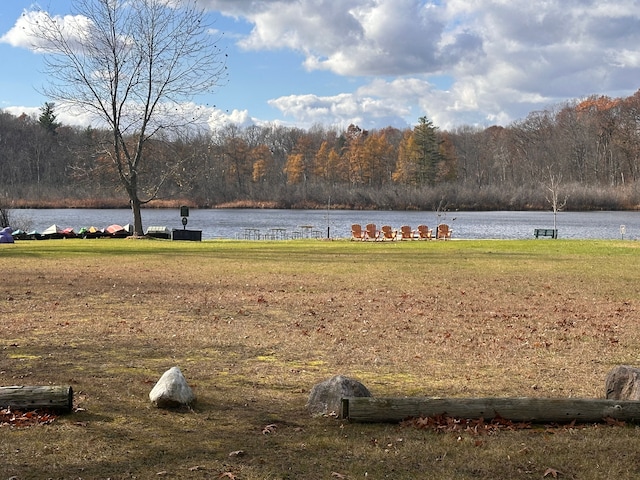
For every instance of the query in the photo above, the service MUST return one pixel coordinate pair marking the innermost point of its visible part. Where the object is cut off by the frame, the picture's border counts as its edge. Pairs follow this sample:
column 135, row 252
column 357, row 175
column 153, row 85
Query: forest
column 579, row 155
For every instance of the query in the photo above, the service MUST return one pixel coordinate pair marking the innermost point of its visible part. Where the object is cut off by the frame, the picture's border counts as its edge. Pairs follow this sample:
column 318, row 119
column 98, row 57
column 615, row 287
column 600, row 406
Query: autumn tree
column 134, row 65
column 377, row 156
column 300, row 163
column 262, row 159
column 405, row 170
column 329, row 165
column 321, row 167
column 295, row 168
column 447, row 168
column 354, row 154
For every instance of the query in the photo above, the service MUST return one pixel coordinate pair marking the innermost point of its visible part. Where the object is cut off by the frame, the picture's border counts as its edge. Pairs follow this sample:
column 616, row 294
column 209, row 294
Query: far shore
column 114, row 203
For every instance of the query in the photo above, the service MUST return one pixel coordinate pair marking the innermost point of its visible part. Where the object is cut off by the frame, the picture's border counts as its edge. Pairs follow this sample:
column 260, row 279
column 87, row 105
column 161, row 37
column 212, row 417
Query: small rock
column 172, row 390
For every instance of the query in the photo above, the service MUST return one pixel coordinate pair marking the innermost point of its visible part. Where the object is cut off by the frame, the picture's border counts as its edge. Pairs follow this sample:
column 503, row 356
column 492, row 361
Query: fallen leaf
column 614, row 422
column 475, row 427
column 339, row 475
column 269, row 429
column 228, row 475
column 19, row 419
column 196, row 468
column 553, row 472
column 237, row 453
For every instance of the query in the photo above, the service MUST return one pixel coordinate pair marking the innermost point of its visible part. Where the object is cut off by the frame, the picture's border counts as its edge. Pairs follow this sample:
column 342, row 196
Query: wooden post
column 33, row 397
column 518, row 409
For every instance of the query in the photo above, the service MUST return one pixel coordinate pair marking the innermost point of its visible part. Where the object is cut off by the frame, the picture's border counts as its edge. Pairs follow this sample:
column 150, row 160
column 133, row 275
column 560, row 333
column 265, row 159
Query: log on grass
column 21, row 397
column 517, row 409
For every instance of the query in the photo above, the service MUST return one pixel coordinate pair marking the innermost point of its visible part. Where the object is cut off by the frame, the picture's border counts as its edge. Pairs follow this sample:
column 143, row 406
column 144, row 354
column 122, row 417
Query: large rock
column 623, row 383
column 325, row 397
column 172, row 390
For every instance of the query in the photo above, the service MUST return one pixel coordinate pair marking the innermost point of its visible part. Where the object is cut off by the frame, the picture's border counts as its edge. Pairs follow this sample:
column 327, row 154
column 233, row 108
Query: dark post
column 184, row 213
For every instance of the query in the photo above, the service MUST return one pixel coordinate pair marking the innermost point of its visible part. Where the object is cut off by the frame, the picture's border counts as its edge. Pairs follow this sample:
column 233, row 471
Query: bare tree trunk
column 137, row 216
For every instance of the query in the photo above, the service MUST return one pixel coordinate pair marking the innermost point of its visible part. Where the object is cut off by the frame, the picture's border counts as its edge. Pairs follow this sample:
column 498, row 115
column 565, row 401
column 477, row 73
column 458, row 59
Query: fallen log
column 20, row 397
column 517, row 409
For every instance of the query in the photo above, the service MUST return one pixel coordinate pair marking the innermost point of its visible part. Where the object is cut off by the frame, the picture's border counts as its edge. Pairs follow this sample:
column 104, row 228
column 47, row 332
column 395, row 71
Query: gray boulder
column 623, row 383
column 172, row 390
column 325, row 397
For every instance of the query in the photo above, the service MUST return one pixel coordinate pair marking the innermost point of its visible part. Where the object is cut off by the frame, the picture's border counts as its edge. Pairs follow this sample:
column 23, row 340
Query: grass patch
column 254, row 325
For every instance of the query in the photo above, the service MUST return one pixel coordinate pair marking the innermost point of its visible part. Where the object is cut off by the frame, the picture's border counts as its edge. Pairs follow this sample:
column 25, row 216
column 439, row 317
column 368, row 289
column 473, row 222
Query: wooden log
column 517, row 409
column 20, row 397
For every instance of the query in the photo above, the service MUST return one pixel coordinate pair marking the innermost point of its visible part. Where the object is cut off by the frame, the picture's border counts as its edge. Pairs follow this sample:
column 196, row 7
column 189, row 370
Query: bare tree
column 137, row 66
column 554, row 182
column 4, row 217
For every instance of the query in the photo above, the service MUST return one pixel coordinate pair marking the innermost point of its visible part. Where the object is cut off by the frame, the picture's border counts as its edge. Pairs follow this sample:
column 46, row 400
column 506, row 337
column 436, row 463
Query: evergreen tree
column 47, row 118
column 428, row 151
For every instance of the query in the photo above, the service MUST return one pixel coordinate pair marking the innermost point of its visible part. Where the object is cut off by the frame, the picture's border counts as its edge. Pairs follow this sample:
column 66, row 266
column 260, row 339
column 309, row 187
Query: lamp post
column 184, row 213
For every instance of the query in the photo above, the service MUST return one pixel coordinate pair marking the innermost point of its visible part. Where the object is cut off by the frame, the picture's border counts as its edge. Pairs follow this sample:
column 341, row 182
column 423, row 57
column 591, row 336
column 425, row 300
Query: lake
column 236, row 223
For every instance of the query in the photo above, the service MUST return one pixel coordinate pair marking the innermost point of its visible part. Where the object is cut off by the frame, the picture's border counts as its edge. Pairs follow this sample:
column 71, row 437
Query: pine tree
column 47, row 118
column 428, row 151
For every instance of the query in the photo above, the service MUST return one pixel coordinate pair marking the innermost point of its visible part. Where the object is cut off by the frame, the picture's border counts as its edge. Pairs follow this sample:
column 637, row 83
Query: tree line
column 583, row 151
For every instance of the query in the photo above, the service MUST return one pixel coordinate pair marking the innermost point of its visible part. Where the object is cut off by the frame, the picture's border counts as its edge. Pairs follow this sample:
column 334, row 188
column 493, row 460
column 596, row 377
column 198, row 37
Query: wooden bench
column 546, row 232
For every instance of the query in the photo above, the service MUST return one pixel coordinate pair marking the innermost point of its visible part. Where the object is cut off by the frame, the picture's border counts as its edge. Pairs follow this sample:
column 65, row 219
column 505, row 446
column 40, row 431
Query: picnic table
column 252, row 234
column 306, row 230
column 278, row 233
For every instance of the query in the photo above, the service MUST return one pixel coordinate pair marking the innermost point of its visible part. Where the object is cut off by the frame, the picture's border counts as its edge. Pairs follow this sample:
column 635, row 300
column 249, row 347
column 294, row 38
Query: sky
column 379, row 63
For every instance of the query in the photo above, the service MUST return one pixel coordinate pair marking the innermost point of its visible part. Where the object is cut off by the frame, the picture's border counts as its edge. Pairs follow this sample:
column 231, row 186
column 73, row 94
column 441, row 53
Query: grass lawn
column 254, row 325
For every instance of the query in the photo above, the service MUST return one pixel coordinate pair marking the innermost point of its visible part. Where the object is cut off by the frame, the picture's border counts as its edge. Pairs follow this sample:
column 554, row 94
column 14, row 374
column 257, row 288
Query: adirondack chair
column 371, row 233
column 406, row 233
column 387, row 233
column 424, row 232
column 356, row 232
column 444, row 232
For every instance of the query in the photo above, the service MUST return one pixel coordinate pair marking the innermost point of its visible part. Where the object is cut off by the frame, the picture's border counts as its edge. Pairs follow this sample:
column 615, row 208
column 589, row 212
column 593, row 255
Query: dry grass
column 254, row 326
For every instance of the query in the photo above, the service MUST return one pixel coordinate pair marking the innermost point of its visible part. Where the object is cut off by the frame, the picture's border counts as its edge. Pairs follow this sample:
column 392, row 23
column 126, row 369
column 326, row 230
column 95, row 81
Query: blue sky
column 377, row 63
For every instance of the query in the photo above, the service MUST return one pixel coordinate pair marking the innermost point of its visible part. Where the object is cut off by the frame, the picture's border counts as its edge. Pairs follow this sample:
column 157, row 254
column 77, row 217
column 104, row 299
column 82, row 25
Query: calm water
column 232, row 223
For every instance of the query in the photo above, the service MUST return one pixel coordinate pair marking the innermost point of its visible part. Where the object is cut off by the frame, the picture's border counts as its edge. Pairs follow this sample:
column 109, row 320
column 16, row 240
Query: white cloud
column 503, row 58
column 312, row 109
column 379, row 103
column 32, row 112
column 218, row 118
column 64, row 114
column 382, row 37
column 192, row 116
column 25, row 33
